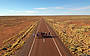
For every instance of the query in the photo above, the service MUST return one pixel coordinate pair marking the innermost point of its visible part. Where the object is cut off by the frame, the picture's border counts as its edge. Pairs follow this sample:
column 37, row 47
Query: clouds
column 67, row 10
column 25, row 11
column 82, row 8
column 59, row 7
column 18, row 12
column 49, row 8
column 41, row 8
column 57, row 10
column 30, row 12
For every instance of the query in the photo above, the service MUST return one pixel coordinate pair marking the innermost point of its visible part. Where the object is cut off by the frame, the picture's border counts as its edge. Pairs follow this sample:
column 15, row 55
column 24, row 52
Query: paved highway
column 47, row 46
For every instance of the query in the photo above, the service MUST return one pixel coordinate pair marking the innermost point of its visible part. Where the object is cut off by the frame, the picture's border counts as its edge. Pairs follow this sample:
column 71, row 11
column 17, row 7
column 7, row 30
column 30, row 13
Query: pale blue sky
column 44, row 7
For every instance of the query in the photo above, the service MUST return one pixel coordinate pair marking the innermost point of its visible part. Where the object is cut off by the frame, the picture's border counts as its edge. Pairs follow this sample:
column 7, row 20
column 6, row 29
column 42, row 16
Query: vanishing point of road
column 45, row 46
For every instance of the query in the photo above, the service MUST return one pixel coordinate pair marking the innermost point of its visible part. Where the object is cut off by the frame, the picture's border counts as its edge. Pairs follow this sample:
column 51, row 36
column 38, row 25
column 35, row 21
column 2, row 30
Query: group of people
column 43, row 34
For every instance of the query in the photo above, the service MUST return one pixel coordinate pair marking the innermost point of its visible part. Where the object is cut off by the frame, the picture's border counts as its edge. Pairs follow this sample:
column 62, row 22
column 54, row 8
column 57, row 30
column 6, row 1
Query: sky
column 44, row 7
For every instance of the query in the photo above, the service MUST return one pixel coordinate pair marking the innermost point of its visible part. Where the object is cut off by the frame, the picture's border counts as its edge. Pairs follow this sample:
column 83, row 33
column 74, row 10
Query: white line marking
column 57, row 47
column 32, row 44
column 31, row 47
column 43, row 40
column 55, row 44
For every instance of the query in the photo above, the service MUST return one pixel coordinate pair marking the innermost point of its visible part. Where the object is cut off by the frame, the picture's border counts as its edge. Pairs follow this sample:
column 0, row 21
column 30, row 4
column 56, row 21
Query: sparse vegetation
column 74, row 33
column 10, row 48
column 12, row 44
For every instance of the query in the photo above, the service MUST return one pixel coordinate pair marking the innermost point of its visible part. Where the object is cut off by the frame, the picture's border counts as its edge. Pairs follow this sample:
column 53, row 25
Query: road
column 47, row 46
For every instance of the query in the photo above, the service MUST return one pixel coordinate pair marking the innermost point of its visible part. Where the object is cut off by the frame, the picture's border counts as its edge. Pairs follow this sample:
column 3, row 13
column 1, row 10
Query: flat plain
column 73, row 31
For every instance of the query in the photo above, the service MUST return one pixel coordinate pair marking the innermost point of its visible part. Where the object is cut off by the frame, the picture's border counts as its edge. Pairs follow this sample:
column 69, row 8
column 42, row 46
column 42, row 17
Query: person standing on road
column 37, row 34
column 49, row 33
column 33, row 34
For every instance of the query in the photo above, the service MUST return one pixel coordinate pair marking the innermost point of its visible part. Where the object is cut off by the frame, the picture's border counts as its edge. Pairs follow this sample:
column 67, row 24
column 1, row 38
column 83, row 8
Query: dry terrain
column 74, row 31
column 11, row 27
column 70, row 35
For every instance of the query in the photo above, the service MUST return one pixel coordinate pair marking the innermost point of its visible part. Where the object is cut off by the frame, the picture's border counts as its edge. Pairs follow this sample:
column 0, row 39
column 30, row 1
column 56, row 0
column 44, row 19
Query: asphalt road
column 47, row 46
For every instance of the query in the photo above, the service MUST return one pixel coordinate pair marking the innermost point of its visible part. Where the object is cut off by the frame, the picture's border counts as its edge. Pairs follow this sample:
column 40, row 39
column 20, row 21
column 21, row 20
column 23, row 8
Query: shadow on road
column 40, row 37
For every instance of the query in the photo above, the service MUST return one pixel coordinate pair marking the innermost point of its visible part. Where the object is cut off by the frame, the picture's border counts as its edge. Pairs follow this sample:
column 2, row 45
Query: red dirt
column 80, row 22
column 8, row 32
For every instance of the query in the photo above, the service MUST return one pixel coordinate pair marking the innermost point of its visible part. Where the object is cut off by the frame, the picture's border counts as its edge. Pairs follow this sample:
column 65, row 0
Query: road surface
column 47, row 46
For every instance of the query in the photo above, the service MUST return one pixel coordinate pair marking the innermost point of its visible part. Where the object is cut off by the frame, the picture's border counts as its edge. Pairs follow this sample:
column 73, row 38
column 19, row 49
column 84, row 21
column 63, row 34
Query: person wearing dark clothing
column 37, row 34
column 49, row 33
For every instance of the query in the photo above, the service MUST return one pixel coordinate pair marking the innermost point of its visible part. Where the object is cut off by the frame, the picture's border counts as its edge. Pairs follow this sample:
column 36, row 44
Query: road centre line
column 55, row 44
column 32, row 44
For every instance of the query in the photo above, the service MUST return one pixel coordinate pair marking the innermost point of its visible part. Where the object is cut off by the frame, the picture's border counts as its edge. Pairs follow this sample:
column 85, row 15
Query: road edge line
column 55, row 44
column 31, row 47
column 57, row 47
